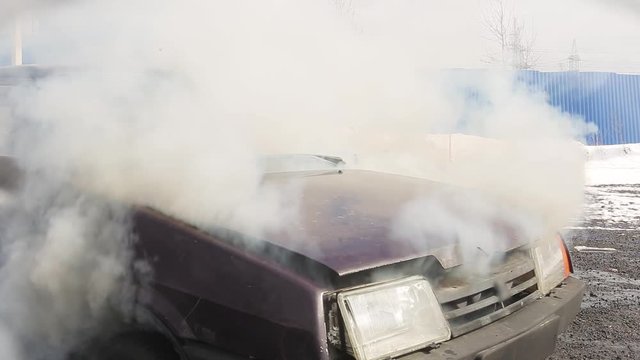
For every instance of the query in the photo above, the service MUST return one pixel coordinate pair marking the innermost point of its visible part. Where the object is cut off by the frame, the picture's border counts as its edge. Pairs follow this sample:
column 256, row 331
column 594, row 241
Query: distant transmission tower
column 574, row 59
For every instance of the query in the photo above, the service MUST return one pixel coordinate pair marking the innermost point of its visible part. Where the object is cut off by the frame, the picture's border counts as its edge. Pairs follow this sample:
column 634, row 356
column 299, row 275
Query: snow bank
column 606, row 164
column 613, row 164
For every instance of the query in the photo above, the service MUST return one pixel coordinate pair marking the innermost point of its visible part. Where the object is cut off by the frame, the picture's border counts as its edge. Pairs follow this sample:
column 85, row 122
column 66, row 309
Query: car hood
column 346, row 221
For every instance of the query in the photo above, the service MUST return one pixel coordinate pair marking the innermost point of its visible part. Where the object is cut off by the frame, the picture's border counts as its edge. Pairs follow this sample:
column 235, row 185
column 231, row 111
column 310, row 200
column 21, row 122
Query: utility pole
column 17, row 44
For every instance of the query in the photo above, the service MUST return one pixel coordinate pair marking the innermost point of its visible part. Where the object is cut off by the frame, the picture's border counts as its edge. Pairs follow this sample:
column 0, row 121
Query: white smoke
column 171, row 103
column 12, row 9
column 482, row 227
column 65, row 263
column 626, row 5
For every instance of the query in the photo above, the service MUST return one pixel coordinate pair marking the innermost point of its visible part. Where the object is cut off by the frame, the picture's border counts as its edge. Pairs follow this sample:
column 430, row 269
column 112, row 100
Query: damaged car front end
column 502, row 315
column 337, row 286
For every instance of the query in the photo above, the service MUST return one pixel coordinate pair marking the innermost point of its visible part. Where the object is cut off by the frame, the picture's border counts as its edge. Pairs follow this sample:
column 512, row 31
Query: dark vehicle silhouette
column 342, row 287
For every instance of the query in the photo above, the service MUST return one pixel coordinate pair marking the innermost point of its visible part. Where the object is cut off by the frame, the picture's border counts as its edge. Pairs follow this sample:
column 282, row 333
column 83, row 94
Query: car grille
column 472, row 302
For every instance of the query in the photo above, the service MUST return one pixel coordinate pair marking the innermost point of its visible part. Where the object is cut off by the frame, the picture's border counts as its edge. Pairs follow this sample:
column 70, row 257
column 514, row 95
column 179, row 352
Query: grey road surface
column 608, row 326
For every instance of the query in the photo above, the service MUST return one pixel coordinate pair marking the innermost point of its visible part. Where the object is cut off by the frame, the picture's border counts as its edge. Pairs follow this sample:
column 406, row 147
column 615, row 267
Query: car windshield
column 299, row 162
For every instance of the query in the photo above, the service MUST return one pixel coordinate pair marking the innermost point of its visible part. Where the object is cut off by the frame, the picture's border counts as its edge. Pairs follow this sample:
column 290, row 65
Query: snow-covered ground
column 613, row 207
column 611, row 220
column 613, row 187
column 613, row 164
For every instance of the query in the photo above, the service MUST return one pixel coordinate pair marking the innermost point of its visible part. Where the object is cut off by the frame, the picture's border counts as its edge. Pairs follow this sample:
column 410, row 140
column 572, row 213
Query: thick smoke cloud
column 171, row 104
column 632, row 5
column 11, row 9
column 65, row 265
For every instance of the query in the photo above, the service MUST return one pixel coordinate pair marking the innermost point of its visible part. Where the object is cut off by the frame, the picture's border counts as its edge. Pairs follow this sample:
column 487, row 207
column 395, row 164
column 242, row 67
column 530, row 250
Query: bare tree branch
column 516, row 46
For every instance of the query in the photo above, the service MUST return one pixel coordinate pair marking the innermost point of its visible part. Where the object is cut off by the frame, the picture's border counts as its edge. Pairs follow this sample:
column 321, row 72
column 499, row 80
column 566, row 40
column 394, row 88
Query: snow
column 593, row 249
column 613, row 164
column 612, row 193
column 615, row 205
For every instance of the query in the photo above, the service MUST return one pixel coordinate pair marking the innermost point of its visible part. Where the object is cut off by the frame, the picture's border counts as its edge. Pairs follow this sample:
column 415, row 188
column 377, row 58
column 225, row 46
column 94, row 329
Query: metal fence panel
column 610, row 101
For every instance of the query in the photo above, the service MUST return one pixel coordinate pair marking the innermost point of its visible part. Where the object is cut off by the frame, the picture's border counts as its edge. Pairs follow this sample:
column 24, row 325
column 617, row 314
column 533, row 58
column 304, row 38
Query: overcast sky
column 453, row 34
column 607, row 33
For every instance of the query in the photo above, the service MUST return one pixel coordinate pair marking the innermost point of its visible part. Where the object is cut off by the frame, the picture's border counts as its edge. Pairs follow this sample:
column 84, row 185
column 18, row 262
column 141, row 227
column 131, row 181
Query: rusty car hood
column 346, row 221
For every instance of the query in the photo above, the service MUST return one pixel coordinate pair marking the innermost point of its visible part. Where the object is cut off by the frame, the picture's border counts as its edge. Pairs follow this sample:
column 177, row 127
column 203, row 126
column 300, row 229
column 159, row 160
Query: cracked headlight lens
column 393, row 318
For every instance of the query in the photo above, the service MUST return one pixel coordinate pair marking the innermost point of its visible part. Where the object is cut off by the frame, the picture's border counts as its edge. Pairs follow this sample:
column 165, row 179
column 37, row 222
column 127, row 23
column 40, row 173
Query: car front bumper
column 527, row 334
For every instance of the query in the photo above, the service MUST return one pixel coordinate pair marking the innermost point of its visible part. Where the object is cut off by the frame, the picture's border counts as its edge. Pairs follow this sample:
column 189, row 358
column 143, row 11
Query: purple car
column 347, row 289
column 343, row 288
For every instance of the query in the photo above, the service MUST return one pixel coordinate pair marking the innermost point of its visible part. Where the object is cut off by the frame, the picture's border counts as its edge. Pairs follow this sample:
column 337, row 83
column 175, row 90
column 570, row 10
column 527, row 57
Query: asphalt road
column 608, row 325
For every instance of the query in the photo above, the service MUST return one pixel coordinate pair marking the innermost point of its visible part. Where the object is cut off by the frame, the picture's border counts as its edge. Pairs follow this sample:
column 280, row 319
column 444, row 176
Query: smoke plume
column 631, row 5
column 11, row 9
column 64, row 266
column 171, row 104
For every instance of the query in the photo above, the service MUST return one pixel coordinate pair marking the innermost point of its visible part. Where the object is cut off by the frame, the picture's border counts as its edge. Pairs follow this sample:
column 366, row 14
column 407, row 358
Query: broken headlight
column 552, row 262
column 391, row 319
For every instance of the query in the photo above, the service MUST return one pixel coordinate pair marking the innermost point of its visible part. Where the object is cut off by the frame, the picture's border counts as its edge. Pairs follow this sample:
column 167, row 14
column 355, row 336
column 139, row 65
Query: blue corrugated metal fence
column 609, row 100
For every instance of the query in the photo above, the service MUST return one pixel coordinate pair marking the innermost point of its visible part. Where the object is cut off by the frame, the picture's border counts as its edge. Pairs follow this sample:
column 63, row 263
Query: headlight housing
column 391, row 319
column 552, row 262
